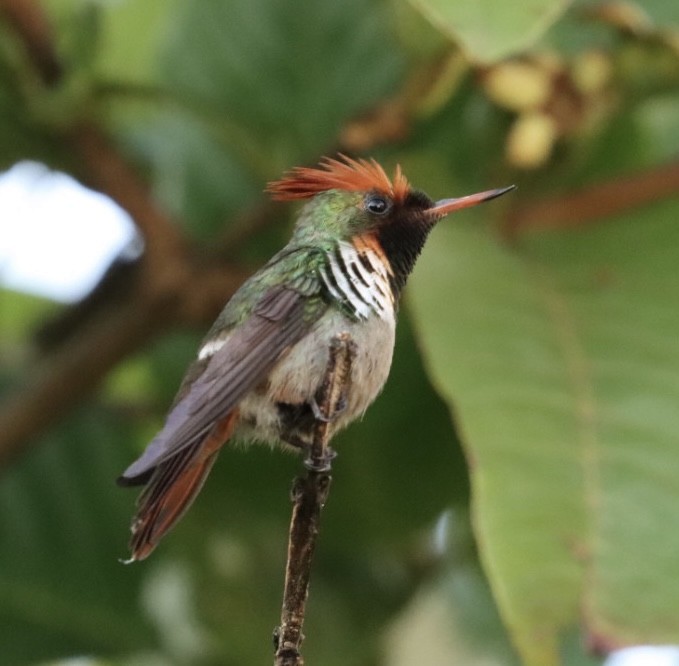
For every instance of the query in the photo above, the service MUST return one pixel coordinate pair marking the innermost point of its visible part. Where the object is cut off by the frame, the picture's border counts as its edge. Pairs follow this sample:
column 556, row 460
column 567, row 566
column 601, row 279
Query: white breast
column 297, row 376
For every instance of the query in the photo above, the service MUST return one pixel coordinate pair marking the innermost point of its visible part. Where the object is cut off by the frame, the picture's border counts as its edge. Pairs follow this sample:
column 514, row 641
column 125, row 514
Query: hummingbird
column 258, row 369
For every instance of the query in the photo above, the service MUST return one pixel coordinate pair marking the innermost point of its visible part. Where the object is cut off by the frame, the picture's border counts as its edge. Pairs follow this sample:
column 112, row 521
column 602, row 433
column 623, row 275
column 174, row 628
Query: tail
column 172, row 487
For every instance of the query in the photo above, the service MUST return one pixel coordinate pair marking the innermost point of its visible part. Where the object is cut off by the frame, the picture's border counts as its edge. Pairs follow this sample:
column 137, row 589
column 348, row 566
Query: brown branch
column 103, row 168
column 309, row 496
column 32, row 27
column 597, row 202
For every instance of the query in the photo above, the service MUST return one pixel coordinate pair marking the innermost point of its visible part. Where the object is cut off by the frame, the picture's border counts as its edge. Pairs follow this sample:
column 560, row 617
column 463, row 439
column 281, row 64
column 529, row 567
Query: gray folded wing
column 245, row 359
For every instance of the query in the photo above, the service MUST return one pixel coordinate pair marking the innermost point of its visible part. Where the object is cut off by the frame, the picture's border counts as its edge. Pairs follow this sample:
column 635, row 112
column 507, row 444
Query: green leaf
column 132, row 34
column 117, row 41
column 196, row 172
column 490, row 30
column 559, row 357
column 288, row 75
column 62, row 518
column 20, row 314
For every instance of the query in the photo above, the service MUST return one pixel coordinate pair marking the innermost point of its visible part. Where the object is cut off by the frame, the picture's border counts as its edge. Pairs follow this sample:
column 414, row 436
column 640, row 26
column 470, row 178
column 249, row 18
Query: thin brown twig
column 595, row 203
column 31, row 26
column 309, row 495
column 105, row 169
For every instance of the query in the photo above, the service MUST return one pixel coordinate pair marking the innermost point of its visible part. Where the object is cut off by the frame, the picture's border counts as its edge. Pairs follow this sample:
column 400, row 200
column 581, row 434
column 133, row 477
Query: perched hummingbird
column 258, row 369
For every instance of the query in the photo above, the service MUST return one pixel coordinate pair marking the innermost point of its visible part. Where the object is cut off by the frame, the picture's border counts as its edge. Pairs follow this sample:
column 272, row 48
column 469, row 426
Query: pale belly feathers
column 296, row 377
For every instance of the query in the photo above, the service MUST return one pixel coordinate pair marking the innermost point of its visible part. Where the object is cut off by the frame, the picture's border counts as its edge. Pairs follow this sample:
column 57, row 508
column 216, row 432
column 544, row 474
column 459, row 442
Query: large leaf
column 63, row 590
column 282, row 78
column 490, row 30
column 560, row 359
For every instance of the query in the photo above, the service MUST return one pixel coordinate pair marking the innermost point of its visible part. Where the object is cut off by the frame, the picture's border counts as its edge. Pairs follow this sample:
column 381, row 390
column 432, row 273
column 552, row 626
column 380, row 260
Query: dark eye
column 377, row 205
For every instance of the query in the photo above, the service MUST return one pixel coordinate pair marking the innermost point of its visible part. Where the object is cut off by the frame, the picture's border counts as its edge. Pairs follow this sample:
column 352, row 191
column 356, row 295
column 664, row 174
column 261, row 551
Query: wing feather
column 278, row 321
column 172, row 488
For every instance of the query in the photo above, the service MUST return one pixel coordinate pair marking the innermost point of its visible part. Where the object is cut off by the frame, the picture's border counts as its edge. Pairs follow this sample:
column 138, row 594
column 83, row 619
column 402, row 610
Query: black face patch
column 418, row 200
column 403, row 234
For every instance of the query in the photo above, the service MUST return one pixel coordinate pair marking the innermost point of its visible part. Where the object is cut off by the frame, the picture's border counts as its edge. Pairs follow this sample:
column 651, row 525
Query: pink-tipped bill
column 445, row 206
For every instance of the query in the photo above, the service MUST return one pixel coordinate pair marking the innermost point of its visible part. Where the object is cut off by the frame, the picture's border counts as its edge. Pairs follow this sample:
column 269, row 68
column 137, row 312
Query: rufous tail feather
column 172, row 488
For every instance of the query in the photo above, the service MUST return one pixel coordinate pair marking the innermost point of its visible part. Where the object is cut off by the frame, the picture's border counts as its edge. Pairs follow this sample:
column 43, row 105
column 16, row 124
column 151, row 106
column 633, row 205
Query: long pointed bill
column 445, row 206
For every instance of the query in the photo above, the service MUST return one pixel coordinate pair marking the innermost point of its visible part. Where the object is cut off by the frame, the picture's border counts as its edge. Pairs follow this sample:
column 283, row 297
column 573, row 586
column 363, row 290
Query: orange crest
column 339, row 174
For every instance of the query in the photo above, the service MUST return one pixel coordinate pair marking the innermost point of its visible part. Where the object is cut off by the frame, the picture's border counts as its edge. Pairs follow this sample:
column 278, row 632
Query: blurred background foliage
column 512, row 497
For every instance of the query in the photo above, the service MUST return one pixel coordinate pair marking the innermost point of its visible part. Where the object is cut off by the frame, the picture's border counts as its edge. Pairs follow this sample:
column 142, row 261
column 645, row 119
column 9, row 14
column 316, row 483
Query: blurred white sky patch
column 645, row 656
column 56, row 236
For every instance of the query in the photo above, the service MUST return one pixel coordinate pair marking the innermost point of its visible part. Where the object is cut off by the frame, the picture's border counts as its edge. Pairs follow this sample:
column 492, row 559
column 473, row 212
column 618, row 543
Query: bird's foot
column 320, row 415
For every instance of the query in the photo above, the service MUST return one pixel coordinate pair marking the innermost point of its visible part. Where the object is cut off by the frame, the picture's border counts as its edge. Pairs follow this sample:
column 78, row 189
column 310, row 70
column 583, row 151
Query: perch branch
column 309, row 495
